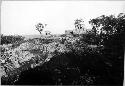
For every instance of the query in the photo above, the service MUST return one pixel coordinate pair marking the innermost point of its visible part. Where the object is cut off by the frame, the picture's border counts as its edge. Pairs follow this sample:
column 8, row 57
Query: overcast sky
column 20, row 17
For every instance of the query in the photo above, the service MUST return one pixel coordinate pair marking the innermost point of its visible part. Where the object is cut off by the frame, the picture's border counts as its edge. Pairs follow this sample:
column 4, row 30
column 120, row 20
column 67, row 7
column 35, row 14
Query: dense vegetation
column 10, row 39
column 93, row 58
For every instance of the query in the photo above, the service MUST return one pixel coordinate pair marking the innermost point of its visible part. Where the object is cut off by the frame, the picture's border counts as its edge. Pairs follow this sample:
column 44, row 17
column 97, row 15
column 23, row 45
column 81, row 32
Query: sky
column 20, row 17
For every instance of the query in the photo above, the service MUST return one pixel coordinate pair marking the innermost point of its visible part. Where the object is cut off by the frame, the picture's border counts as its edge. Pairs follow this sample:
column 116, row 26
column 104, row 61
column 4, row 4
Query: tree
column 40, row 27
column 112, row 34
column 111, row 28
column 109, row 24
column 79, row 23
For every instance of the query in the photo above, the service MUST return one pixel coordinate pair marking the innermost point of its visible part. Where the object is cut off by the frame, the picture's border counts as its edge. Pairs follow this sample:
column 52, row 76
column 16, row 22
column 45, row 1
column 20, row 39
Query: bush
column 11, row 39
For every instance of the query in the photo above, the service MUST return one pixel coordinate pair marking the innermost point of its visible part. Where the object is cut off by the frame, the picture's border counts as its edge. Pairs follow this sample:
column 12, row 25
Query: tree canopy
column 79, row 23
column 40, row 27
column 110, row 28
column 109, row 24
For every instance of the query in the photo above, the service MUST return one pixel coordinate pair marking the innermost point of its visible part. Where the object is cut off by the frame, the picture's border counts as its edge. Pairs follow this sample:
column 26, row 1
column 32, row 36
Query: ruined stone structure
column 77, row 30
column 68, row 32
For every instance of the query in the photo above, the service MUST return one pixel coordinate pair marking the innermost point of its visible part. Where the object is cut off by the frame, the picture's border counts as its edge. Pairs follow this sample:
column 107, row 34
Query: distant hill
column 37, row 36
column 31, row 36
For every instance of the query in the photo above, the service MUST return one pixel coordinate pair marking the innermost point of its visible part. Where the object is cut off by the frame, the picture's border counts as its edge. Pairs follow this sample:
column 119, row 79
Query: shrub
column 11, row 39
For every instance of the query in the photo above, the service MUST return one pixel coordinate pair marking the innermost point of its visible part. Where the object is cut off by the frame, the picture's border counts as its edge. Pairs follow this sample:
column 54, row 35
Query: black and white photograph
column 50, row 42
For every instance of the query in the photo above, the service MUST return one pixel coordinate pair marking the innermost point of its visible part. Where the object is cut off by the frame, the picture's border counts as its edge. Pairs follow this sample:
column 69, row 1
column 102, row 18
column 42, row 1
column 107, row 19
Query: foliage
column 11, row 39
column 40, row 27
column 79, row 23
column 111, row 28
column 72, row 62
column 111, row 36
column 91, row 38
column 78, row 60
